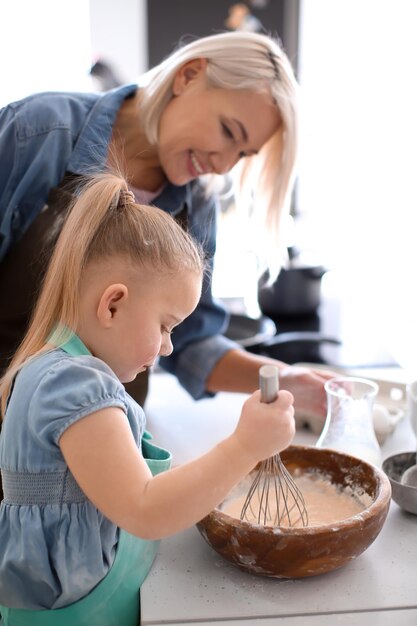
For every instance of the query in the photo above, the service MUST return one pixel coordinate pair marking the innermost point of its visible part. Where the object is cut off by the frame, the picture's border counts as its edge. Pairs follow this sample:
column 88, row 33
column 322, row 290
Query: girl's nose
column 166, row 345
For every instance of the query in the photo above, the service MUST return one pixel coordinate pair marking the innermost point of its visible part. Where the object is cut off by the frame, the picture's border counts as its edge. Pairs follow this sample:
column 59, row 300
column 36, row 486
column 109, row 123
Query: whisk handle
column 268, row 383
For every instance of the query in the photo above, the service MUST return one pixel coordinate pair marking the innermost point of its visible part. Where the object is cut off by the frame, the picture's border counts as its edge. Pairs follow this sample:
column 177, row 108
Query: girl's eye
column 167, row 330
column 227, row 132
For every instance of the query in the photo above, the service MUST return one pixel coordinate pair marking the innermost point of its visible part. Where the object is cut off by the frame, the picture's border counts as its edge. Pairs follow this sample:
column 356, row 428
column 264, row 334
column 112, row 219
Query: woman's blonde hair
column 103, row 222
column 250, row 61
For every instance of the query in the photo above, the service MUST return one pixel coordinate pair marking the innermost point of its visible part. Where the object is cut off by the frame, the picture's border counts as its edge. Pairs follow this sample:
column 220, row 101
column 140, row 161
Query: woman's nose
column 222, row 162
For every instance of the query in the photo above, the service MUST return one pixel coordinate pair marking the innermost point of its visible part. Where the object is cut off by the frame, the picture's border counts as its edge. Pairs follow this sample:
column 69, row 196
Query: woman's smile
column 195, row 167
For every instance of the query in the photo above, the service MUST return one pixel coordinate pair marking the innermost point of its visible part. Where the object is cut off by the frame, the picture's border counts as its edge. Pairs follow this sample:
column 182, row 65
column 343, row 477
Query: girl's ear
column 111, row 300
column 187, row 74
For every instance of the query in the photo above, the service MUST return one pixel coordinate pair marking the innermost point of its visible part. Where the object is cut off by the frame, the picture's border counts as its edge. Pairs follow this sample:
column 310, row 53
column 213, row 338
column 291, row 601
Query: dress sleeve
column 72, row 389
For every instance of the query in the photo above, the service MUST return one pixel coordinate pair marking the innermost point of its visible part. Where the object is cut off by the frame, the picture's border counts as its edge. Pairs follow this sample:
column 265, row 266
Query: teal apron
column 115, row 601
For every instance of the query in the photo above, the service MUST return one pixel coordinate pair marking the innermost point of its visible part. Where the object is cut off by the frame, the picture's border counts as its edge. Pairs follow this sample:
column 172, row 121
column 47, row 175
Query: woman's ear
column 112, row 299
column 188, row 73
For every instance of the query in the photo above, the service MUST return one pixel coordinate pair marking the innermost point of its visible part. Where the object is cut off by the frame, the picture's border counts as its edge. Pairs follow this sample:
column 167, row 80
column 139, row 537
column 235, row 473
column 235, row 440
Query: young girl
column 85, row 494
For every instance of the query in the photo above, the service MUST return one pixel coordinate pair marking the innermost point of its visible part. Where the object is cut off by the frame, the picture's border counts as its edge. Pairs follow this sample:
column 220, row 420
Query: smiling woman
column 220, row 102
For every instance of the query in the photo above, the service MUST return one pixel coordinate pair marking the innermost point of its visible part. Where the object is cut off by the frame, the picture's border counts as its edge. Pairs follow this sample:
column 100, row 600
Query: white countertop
column 191, row 584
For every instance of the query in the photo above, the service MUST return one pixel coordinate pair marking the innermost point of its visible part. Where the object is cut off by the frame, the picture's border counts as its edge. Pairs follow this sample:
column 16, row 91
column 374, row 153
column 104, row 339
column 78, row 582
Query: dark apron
column 115, row 601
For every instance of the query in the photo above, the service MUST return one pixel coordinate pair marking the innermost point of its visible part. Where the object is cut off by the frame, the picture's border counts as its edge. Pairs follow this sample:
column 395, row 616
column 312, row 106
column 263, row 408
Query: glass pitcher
column 349, row 423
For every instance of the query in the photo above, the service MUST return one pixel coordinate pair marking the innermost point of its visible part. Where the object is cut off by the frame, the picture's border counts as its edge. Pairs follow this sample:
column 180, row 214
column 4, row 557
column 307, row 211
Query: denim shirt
column 46, row 135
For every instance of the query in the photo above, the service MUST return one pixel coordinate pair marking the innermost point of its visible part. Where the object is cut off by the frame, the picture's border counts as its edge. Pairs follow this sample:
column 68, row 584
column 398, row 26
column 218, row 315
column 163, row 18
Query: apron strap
column 72, row 344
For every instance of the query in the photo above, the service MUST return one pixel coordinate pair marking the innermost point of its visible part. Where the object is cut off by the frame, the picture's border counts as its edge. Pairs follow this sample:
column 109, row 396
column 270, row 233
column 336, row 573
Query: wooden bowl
column 301, row 552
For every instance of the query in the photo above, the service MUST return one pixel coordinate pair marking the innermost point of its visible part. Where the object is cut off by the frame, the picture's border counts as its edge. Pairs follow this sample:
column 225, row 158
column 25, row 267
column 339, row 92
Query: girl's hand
column 265, row 429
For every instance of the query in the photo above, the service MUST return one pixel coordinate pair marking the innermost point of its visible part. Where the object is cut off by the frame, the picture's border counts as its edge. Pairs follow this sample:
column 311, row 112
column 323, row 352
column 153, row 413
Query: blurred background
column 354, row 206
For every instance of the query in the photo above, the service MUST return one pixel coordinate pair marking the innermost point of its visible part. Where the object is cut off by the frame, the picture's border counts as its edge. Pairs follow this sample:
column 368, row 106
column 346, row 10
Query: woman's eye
column 169, row 331
column 227, row 132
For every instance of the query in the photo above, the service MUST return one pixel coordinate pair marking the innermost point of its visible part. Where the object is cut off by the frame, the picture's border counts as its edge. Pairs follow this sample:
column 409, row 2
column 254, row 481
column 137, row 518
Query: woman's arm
column 103, row 457
column 205, row 362
column 238, row 371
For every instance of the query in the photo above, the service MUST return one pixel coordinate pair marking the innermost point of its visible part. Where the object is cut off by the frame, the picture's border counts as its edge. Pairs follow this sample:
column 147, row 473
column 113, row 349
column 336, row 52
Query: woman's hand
column 238, row 371
column 307, row 387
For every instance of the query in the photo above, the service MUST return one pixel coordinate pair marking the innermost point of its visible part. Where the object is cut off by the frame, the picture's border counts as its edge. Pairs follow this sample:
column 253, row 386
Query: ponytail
column 104, row 221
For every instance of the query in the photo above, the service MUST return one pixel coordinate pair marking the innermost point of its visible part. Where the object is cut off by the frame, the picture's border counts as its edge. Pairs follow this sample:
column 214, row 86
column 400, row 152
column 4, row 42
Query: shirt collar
column 92, row 144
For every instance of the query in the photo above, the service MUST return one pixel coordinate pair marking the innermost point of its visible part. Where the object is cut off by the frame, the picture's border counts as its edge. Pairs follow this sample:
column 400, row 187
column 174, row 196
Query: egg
column 381, row 418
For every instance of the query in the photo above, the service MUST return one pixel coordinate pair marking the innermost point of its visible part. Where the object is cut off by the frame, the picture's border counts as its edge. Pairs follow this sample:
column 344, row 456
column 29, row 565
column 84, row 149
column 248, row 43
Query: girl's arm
column 105, row 461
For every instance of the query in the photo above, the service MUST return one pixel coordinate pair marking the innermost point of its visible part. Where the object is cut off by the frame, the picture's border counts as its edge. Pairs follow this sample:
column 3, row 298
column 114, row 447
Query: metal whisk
column 273, row 498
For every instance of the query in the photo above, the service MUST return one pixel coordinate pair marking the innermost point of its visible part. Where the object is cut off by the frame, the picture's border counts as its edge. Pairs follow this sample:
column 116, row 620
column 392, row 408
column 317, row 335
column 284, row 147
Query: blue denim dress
column 57, row 549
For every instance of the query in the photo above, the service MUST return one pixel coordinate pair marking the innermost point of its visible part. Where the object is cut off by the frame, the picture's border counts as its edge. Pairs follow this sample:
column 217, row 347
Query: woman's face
column 207, row 130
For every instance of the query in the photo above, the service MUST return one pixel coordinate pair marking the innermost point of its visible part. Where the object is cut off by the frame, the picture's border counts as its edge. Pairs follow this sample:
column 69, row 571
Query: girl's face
column 207, row 130
column 143, row 321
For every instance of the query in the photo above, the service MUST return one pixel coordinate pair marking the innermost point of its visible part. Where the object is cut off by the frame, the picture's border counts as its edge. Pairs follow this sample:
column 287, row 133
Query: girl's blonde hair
column 250, row 61
column 104, row 221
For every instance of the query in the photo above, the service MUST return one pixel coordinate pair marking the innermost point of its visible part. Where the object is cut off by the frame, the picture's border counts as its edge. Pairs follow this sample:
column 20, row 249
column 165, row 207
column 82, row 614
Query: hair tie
column 274, row 62
column 126, row 197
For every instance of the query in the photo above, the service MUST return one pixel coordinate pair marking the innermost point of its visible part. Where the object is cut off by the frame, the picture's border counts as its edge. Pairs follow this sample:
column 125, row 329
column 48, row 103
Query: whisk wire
column 274, row 498
column 277, row 497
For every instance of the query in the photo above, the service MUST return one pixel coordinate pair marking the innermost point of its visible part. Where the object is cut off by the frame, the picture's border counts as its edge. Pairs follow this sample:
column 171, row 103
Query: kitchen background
column 356, row 194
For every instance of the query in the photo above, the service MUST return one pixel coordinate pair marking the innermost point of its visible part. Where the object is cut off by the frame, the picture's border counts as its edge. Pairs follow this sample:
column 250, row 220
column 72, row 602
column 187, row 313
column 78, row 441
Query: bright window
column 357, row 182
column 44, row 46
